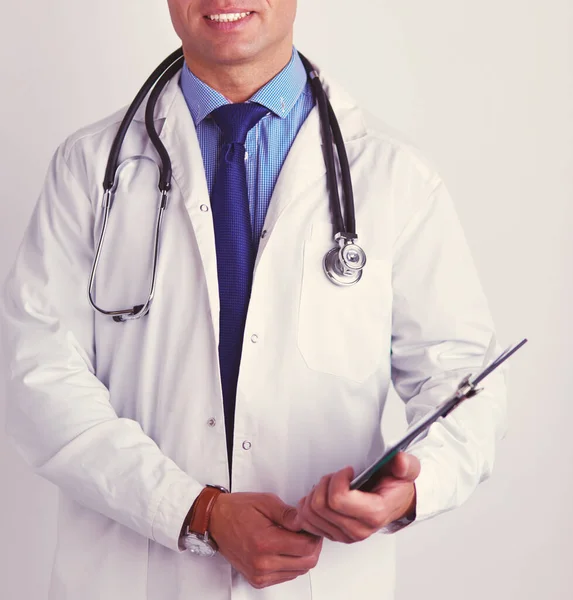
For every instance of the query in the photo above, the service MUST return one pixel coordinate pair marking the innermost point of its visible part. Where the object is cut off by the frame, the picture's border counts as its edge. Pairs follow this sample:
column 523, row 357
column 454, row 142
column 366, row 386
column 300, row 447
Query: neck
column 238, row 82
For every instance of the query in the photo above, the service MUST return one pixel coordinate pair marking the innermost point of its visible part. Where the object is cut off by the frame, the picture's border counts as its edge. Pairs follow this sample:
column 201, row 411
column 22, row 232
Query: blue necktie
column 234, row 245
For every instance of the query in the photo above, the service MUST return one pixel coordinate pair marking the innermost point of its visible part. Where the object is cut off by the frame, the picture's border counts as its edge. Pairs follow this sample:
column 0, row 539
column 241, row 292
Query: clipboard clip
column 467, row 388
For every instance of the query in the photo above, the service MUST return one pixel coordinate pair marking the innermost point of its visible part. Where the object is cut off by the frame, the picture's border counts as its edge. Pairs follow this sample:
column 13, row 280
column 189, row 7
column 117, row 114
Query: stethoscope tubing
column 332, row 135
column 141, row 309
column 152, row 80
column 157, row 81
column 350, row 216
column 331, row 180
column 344, row 224
column 166, row 172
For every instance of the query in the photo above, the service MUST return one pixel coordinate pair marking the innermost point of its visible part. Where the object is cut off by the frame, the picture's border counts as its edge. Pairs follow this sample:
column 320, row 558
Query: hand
column 252, row 532
column 334, row 511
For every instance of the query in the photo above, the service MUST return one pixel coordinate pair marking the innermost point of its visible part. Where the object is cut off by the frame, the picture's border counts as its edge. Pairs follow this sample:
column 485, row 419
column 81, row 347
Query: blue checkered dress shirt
column 288, row 97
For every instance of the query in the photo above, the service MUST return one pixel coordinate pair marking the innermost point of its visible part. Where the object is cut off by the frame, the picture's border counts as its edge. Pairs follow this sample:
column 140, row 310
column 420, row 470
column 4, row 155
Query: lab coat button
column 264, row 234
column 254, row 338
column 204, row 208
column 211, row 422
column 246, row 445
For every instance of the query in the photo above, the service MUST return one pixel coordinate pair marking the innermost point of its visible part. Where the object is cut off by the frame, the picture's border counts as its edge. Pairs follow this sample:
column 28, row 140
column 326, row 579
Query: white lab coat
column 127, row 419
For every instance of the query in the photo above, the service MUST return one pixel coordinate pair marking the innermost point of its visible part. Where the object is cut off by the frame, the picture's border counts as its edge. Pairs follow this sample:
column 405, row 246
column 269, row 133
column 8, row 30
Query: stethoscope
column 343, row 264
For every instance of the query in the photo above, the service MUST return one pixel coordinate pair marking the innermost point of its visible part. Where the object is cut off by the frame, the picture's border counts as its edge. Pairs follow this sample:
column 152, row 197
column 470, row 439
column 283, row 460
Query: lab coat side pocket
column 343, row 331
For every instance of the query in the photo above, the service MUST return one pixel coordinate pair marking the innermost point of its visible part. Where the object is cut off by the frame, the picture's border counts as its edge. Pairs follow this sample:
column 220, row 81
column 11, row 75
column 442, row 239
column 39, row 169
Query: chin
column 232, row 53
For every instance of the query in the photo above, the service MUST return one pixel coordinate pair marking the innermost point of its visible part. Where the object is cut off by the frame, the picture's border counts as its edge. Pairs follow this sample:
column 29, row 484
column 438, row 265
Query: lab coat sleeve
column 441, row 331
column 58, row 413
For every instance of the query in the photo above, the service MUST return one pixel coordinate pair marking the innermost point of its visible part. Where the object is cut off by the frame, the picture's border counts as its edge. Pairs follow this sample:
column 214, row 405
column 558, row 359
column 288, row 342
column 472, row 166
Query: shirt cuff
column 399, row 523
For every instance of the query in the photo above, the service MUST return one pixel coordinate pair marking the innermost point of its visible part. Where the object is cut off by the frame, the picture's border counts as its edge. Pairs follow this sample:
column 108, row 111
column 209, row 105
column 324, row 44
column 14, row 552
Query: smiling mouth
column 228, row 17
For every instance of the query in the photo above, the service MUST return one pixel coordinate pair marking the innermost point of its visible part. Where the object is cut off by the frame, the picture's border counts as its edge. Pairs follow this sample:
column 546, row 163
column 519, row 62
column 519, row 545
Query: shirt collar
column 279, row 95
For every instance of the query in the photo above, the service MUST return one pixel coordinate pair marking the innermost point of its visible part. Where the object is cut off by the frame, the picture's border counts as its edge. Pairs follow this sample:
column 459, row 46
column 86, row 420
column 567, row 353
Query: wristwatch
column 195, row 537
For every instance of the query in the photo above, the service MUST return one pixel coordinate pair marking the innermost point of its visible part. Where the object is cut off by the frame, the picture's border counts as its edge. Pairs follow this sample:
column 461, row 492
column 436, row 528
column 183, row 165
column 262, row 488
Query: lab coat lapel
column 180, row 139
column 304, row 164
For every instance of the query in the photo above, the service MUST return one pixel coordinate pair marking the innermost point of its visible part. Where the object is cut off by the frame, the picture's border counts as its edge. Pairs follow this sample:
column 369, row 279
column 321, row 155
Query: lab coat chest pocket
column 343, row 331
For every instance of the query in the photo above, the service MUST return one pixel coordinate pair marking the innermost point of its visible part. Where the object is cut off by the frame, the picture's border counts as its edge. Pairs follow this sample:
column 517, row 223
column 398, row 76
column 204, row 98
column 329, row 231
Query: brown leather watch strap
column 201, row 510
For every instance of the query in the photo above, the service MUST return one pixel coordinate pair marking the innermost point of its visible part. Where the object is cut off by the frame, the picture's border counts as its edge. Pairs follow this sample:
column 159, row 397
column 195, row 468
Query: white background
column 486, row 90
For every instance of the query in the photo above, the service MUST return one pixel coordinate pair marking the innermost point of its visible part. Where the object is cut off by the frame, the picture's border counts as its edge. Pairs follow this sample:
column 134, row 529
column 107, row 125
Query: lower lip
column 229, row 26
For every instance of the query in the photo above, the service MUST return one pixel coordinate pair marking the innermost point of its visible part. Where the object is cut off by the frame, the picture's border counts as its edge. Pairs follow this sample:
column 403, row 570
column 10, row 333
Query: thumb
column 282, row 514
column 290, row 519
column 405, row 467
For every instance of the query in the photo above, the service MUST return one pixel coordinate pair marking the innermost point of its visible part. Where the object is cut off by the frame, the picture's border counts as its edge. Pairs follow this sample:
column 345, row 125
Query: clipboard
column 369, row 478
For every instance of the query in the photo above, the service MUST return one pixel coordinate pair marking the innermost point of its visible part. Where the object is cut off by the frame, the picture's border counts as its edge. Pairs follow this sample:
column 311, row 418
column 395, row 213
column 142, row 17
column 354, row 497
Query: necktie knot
column 236, row 120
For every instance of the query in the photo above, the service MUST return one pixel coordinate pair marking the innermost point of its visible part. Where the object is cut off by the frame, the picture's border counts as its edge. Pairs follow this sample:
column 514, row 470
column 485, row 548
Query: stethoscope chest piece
column 344, row 264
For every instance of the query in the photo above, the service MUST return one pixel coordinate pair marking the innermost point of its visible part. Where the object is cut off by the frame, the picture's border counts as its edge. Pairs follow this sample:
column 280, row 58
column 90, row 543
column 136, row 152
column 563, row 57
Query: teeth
column 228, row 17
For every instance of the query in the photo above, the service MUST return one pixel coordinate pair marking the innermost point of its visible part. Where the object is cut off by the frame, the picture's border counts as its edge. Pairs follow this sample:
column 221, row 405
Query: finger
column 281, row 541
column 315, row 524
column 279, row 512
column 260, row 582
column 355, row 516
column 317, row 514
column 316, row 506
column 361, row 513
column 405, row 466
column 339, row 493
column 285, row 537
column 307, row 527
column 268, row 564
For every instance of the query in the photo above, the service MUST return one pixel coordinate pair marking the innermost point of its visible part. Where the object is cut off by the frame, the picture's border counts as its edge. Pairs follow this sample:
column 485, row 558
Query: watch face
column 197, row 546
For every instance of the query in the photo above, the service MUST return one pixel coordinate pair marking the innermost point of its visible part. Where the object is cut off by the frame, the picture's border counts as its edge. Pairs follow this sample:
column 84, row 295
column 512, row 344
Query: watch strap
column 201, row 510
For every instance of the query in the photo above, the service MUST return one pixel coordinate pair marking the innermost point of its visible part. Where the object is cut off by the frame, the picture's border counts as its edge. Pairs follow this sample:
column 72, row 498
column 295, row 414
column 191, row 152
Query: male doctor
column 252, row 371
